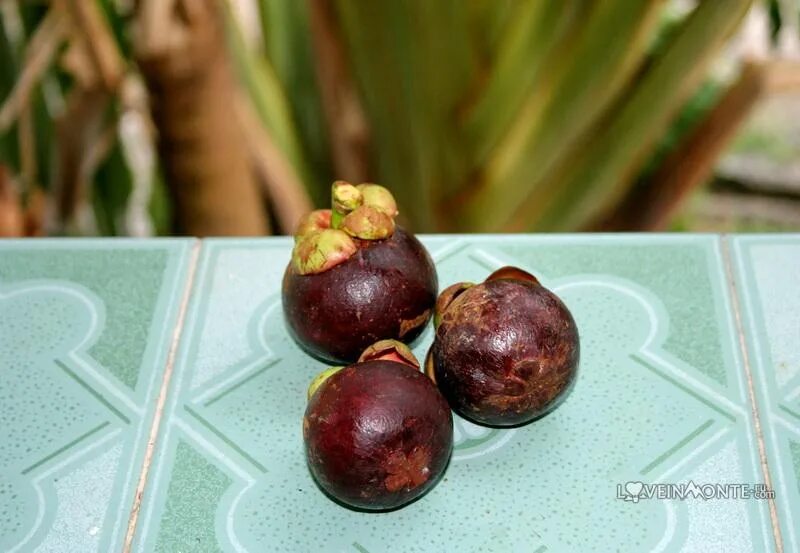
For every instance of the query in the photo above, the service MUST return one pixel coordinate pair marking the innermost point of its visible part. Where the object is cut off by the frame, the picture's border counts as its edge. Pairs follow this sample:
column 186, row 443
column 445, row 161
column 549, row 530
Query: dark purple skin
column 387, row 289
column 506, row 352
column 378, row 435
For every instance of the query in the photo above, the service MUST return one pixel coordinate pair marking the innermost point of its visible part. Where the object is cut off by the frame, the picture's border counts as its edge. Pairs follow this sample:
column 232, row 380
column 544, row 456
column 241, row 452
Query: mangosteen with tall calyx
column 356, row 277
column 378, row 434
column 506, row 351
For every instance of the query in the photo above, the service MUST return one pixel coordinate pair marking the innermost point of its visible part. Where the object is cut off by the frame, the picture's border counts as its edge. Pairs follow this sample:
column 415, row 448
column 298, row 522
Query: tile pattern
column 767, row 274
column 661, row 398
column 84, row 332
column 85, row 328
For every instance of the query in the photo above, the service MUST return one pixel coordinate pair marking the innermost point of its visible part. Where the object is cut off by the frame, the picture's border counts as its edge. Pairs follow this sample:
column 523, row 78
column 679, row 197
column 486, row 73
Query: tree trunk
column 182, row 55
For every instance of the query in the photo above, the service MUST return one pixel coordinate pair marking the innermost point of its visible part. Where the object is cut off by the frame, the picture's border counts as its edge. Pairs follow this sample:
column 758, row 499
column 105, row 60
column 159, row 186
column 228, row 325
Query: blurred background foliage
column 226, row 117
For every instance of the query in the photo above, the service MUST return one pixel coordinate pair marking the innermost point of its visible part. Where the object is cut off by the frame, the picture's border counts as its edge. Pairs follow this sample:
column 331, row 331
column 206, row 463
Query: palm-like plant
column 490, row 115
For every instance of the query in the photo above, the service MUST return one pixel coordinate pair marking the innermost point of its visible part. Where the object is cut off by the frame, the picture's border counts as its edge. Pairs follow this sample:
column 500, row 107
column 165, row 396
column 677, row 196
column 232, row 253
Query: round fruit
column 355, row 277
column 378, row 434
column 506, row 351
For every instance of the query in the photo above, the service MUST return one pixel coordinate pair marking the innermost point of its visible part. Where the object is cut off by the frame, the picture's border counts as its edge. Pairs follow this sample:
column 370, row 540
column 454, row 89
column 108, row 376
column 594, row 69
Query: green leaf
column 268, row 97
column 593, row 68
column 621, row 148
column 527, row 53
column 112, row 186
column 288, row 48
column 9, row 150
column 160, row 207
column 412, row 62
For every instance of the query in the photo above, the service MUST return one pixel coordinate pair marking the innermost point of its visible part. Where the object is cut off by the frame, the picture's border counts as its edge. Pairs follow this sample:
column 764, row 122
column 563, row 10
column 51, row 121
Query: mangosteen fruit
column 506, row 351
column 378, row 434
column 355, row 277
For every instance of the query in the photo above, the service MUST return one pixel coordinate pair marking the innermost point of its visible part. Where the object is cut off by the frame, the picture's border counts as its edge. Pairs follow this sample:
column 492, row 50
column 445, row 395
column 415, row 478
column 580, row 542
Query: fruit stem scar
column 407, row 470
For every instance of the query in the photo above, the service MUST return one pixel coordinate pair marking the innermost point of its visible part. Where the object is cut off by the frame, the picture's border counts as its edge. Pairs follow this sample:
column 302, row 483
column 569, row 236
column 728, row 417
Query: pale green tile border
column 539, row 239
column 155, row 354
column 767, row 397
column 713, row 241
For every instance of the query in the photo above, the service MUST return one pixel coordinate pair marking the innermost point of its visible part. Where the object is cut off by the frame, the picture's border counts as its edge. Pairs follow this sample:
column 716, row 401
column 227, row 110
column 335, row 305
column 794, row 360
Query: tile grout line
column 162, row 396
column 762, row 451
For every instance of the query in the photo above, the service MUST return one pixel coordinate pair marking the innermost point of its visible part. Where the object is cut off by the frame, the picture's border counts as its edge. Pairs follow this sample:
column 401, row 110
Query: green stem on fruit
column 336, row 219
column 320, row 379
column 344, row 199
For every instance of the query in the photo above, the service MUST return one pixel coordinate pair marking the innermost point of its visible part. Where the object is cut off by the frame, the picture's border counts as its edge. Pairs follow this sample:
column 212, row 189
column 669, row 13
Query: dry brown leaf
column 346, row 122
column 99, row 43
column 78, row 131
column 11, row 218
column 35, row 212
column 289, row 197
column 38, row 56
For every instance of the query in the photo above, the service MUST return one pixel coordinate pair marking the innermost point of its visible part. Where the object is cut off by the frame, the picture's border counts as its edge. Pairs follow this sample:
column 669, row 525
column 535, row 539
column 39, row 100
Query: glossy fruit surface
column 355, row 277
column 386, row 289
column 378, row 434
column 506, row 351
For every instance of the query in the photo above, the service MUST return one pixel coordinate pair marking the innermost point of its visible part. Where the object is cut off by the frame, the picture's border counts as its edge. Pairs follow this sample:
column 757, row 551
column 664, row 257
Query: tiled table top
column 768, row 285
column 151, row 399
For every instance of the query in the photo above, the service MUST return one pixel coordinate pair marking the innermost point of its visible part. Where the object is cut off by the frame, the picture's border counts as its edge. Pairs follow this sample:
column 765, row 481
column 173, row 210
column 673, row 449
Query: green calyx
column 368, row 223
column 366, row 211
column 321, row 250
column 344, row 198
column 324, row 237
column 320, row 379
column 378, row 197
column 316, row 220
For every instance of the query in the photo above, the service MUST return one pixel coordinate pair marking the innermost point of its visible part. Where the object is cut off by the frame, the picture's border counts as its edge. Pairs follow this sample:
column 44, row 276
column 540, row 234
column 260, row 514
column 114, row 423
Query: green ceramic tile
column 84, row 331
column 768, row 284
column 661, row 398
